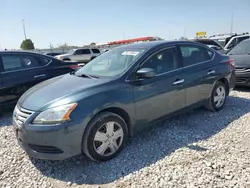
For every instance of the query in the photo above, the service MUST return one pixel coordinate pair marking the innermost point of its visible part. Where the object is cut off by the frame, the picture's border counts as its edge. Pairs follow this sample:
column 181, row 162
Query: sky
column 80, row 22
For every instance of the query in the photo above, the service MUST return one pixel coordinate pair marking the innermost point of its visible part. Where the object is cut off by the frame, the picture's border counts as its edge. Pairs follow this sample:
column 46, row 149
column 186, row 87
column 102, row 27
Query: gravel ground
column 198, row 149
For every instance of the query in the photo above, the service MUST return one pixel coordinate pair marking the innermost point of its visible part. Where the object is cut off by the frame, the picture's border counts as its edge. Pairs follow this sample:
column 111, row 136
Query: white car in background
column 81, row 55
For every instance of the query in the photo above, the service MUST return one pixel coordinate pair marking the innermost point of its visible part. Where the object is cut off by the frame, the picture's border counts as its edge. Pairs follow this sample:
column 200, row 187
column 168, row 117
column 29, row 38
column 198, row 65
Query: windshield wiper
column 88, row 76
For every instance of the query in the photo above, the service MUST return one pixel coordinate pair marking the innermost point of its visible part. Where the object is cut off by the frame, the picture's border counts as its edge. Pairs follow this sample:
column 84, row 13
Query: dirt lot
column 198, row 149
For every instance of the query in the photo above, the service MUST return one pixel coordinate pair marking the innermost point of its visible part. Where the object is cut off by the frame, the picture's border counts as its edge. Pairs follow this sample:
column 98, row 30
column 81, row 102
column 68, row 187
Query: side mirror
column 146, row 73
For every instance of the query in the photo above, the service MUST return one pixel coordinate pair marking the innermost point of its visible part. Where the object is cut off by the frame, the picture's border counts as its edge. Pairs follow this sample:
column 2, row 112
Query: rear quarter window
column 45, row 61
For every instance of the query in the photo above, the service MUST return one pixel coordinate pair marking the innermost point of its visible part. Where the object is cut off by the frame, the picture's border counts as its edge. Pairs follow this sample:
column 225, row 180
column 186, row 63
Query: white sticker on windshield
column 133, row 53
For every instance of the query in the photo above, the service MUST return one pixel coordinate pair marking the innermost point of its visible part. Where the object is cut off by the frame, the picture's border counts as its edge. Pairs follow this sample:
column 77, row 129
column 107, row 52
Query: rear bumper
column 243, row 78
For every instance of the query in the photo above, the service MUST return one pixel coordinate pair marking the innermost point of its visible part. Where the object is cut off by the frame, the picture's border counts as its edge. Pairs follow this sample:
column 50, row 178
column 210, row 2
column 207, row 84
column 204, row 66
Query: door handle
column 211, row 72
column 178, row 82
column 40, row 75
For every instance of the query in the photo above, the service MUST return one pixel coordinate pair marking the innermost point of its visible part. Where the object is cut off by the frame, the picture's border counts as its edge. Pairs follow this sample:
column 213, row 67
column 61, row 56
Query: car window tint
column 163, row 61
column 96, row 51
column 85, row 51
column 45, row 61
column 78, row 52
column 242, row 48
column 29, row 61
column 248, row 47
column 194, row 54
column 240, row 39
column 11, row 62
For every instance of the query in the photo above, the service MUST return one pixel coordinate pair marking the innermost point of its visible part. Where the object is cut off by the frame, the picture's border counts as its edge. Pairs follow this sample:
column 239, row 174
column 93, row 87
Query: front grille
column 237, row 69
column 45, row 149
column 20, row 115
column 242, row 79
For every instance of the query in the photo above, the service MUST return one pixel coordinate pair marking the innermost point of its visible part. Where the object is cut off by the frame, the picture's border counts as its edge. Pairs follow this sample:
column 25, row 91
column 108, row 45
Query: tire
column 66, row 59
column 212, row 105
column 91, row 144
column 92, row 58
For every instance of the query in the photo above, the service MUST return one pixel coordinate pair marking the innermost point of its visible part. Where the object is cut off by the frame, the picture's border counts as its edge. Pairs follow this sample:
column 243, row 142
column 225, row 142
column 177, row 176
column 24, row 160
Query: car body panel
column 15, row 83
column 242, row 63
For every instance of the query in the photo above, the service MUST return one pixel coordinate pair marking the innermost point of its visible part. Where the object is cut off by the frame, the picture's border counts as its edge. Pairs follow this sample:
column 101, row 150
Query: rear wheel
column 66, row 59
column 218, row 97
column 105, row 137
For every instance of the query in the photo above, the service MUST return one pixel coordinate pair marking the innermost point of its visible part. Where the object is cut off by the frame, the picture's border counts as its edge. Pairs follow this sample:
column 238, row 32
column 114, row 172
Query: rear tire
column 67, row 59
column 104, row 137
column 218, row 97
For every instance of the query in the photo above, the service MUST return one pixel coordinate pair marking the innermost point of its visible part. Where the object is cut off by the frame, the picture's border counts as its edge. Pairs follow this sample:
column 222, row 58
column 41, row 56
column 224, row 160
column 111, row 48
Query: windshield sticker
column 133, row 53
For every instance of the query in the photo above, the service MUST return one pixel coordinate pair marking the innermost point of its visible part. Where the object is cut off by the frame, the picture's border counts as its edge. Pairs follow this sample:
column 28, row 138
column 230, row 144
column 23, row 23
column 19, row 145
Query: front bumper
column 56, row 142
column 243, row 78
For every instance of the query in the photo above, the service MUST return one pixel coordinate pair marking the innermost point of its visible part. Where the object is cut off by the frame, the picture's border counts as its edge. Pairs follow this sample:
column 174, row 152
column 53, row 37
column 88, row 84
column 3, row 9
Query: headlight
column 55, row 115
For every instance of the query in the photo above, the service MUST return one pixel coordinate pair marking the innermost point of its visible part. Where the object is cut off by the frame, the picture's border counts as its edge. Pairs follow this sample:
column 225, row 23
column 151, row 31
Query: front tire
column 105, row 137
column 218, row 97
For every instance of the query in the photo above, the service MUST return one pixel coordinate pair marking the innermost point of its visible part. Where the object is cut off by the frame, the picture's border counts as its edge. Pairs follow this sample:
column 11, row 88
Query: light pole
column 24, row 32
column 232, row 24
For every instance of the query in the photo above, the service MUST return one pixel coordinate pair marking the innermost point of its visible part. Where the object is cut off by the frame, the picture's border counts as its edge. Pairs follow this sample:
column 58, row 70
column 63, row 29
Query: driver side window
column 162, row 61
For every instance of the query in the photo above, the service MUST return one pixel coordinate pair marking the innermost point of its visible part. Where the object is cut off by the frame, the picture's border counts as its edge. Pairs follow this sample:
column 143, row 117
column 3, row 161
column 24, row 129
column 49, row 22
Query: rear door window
column 192, row 54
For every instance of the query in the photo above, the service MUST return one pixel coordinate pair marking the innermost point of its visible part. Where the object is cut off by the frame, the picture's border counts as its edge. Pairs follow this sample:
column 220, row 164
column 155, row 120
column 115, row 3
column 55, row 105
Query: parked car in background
column 210, row 43
column 20, row 70
column 228, row 41
column 52, row 53
column 241, row 56
column 95, row 109
column 81, row 55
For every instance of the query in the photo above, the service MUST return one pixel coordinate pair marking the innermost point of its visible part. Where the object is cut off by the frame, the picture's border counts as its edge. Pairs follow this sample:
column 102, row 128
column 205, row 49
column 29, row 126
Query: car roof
column 24, row 52
column 153, row 44
column 19, row 51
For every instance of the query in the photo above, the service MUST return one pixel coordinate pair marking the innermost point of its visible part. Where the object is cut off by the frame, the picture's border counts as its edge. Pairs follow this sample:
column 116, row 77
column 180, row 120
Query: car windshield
column 111, row 63
column 71, row 51
column 220, row 41
column 241, row 48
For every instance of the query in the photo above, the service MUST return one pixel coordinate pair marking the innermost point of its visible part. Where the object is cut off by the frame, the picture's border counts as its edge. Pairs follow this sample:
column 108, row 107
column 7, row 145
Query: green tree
column 27, row 45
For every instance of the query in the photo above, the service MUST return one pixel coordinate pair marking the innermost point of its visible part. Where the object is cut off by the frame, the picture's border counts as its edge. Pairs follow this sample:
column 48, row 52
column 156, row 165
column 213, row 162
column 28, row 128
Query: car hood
column 56, row 91
column 241, row 60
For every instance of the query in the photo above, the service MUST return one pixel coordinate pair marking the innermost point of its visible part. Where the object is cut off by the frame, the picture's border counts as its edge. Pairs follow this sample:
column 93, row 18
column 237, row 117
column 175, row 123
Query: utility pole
column 232, row 24
column 24, row 32
column 51, row 46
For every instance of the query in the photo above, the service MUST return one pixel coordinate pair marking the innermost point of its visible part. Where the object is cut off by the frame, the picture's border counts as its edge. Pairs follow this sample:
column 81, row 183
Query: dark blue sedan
column 95, row 109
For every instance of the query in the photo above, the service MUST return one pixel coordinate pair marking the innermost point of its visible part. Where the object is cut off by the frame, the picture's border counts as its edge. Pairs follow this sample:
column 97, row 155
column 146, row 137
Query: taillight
column 231, row 62
column 75, row 67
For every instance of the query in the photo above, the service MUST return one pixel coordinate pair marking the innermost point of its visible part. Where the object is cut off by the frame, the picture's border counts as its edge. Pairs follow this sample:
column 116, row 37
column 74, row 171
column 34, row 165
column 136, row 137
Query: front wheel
column 105, row 137
column 218, row 97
